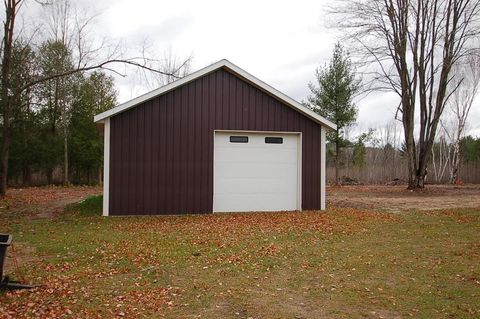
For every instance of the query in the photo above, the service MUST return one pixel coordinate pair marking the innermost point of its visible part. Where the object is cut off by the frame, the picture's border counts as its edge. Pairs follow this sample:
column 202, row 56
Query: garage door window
column 274, row 140
column 238, row 139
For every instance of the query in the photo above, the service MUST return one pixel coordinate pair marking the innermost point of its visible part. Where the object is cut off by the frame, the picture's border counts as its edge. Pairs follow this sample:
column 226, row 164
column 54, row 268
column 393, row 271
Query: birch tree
column 442, row 154
column 468, row 81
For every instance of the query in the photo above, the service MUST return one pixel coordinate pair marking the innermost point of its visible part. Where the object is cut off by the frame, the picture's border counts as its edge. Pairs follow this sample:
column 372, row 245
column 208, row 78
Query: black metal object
column 13, row 284
column 5, row 241
column 5, row 282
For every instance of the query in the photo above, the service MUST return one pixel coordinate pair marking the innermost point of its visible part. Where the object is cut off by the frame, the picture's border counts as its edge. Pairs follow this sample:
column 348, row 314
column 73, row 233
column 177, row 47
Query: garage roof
column 230, row 67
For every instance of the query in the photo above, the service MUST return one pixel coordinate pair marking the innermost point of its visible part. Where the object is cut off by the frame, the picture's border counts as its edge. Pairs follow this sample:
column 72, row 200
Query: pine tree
column 332, row 97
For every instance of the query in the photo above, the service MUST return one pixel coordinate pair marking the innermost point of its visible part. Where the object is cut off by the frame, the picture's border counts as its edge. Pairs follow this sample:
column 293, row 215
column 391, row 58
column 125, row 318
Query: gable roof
column 232, row 68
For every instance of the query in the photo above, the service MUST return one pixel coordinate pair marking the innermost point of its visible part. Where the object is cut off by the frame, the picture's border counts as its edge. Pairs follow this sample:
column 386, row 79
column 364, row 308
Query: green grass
column 341, row 264
column 90, row 206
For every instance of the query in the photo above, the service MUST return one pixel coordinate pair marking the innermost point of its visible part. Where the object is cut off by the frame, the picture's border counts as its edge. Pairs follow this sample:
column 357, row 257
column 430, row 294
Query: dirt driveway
column 398, row 198
column 36, row 203
column 44, row 202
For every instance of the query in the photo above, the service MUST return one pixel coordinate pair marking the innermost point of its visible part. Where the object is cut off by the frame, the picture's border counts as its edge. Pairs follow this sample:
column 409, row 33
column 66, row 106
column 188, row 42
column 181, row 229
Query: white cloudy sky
column 280, row 42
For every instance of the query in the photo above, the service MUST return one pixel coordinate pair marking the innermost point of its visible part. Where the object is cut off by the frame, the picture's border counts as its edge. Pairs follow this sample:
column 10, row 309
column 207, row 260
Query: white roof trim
column 235, row 69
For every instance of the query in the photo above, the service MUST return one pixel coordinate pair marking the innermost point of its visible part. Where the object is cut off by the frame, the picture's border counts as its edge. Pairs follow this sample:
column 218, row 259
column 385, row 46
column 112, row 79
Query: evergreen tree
column 359, row 148
column 96, row 94
column 24, row 146
column 470, row 149
column 332, row 97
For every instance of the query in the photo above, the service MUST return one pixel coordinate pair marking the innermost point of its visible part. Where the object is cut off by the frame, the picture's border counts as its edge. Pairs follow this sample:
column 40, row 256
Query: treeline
column 431, row 65
column 53, row 135
column 446, row 153
column 438, row 154
column 51, row 85
column 380, row 159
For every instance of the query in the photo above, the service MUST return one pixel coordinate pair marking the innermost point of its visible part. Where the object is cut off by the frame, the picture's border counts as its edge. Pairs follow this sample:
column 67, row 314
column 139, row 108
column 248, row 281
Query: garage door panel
column 262, row 202
column 252, row 186
column 256, row 176
column 252, row 155
column 253, row 170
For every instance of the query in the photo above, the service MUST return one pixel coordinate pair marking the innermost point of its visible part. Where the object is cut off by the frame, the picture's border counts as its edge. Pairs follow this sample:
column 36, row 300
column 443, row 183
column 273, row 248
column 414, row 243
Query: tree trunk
column 455, row 162
column 394, row 168
column 100, row 178
column 412, row 165
column 421, row 173
column 420, row 181
column 10, row 11
column 49, row 176
column 27, row 175
column 4, row 160
column 66, row 180
column 336, row 160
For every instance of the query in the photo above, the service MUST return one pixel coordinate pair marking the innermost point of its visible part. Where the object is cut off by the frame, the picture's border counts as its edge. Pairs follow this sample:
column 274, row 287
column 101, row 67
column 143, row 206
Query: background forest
column 381, row 160
column 56, row 76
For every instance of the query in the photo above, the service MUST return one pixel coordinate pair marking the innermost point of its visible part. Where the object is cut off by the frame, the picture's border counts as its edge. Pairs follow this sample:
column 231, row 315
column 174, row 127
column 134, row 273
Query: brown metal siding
column 161, row 156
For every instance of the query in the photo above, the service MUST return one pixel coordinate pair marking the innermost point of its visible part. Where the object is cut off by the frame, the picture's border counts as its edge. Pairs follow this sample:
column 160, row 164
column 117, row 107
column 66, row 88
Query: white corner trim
column 233, row 68
column 323, row 167
column 299, row 171
column 106, row 167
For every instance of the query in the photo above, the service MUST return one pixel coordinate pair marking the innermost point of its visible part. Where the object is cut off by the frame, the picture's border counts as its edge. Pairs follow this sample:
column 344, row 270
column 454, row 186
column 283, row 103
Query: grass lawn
column 344, row 263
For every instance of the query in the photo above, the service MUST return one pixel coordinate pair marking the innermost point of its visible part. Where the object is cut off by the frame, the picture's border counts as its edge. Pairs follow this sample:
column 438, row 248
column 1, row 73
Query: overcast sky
column 280, row 42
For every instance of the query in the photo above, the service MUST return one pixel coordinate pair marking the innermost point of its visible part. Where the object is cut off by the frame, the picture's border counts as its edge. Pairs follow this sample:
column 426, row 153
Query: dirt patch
column 384, row 314
column 44, row 202
column 33, row 203
column 282, row 301
column 398, row 198
column 18, row 255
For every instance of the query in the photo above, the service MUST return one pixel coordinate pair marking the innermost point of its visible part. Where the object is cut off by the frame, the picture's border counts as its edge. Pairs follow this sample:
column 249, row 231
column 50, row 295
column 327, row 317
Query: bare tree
column 468, row 82
column 410, row 47
column 90, row 54
column 442, row 153
column 62, row 24
column 172, row 66
column 388, row 137
column 446, row 150
column 6, row 97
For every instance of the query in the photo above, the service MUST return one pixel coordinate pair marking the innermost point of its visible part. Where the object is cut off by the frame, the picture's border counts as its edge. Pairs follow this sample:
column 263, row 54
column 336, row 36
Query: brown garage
column 216, row 140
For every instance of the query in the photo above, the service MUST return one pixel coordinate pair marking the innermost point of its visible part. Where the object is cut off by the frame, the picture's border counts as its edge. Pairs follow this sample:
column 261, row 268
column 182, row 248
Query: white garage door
column 256, row 172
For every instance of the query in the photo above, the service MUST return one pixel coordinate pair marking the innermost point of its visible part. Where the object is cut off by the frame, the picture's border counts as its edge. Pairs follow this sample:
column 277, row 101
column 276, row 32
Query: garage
column 256, row 171
column 218, row 140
